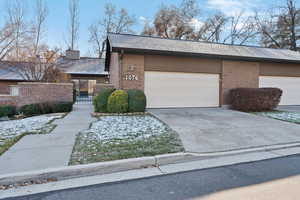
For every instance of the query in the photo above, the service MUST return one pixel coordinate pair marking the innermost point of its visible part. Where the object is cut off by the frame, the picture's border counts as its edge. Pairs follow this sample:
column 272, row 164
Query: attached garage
column 289, row 85
column 174, row 89
column 180, row 73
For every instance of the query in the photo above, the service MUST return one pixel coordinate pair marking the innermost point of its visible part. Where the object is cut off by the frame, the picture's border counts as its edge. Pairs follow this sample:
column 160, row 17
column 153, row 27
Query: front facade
column 171, row 78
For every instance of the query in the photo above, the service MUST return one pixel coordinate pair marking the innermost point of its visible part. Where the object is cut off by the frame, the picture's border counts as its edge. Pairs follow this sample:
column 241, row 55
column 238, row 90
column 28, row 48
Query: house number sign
column 131, row 77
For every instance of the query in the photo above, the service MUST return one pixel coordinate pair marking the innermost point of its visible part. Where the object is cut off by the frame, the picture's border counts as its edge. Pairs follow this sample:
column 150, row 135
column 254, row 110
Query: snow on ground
column 13, row 128
column 125, row 127
column 282, row 115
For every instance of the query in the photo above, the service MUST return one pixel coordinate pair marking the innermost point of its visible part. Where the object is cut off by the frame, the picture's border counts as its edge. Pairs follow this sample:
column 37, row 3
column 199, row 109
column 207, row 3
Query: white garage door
column 289, row 85
column 171, row 89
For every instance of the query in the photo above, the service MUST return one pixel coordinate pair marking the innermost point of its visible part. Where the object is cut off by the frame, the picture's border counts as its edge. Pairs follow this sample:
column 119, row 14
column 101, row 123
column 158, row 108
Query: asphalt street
column 187, row 185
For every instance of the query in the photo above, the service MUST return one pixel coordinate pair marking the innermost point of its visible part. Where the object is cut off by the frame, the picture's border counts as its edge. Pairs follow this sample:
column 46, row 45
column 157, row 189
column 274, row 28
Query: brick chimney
column 72, row 54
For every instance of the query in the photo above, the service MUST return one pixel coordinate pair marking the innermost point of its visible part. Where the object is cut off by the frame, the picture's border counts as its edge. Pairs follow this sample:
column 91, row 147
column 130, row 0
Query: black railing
column 83, row 99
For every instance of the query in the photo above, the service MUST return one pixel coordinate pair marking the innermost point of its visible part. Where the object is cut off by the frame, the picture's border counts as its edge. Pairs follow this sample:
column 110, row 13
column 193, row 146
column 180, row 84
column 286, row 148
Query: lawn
column 12, row 131
column 287, row 116
column 121, row 137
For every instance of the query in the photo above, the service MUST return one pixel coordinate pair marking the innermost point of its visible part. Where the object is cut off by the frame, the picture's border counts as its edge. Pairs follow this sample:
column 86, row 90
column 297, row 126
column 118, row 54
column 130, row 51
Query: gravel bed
column 126, row 127
column 33, row 125
column 121, row 137
column 282, row 115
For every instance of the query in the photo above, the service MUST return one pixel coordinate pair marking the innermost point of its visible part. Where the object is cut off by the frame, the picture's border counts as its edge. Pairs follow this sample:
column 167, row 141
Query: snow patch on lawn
column 286, row 116
column 126, row 127
column 13, row 128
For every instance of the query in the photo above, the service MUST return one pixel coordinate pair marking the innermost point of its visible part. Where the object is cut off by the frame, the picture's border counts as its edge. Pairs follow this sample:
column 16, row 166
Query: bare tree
column 16, row 12
column 174, row 22
column 43, row 67
column 242, row 29
column 7, row 39
column 39, row 22
column 74, row 23
column 281, row 29
column 113, row 21
column 211, row 30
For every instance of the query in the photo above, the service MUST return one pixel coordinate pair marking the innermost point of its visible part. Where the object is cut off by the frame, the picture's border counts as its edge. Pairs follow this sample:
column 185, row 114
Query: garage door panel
column 290, row 88
column 168, row 89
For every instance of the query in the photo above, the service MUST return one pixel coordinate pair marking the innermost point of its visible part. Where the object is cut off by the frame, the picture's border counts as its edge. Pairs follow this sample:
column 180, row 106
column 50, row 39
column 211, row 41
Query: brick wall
column 238, row 74
column 4, row 86
column 30, row 93
column 99, row 87
column 8, row 100
column 132, row 75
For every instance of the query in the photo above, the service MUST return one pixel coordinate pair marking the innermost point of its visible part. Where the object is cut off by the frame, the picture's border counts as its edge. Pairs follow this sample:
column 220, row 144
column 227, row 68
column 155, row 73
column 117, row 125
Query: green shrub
column 31, row 109
column 7, row 111
column 136, row 101
column 118, row 102
column 46, row 108
column 100, row 101
column 62, row 107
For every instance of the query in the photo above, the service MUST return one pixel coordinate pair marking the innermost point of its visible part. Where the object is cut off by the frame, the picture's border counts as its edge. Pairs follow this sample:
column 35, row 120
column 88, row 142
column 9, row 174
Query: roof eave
column 202, row 55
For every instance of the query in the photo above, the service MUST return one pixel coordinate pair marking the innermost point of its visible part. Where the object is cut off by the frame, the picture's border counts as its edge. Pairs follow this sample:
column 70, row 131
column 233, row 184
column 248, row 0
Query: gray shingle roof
column 83, row 66
column 8, row 71
column 154, row 44
column 86, row 66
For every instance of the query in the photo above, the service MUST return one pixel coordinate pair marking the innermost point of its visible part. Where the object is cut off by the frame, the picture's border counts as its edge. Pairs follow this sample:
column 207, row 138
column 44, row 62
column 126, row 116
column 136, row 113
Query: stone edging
column 118, row 114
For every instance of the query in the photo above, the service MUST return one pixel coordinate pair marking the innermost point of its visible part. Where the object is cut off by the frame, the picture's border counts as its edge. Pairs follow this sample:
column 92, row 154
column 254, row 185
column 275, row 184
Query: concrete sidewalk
column 36, row 152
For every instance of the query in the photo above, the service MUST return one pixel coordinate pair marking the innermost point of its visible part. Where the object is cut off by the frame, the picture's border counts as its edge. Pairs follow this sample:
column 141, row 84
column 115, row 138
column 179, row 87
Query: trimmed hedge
column 118, row 102
column 255, row 99
column 7, row 111
column 62, row 107
column 100, row 101
column 136, row 101
column 46, row 108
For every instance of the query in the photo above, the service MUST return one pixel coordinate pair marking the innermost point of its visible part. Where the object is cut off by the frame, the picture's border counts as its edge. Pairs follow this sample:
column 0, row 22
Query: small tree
column 43, row 67
column 74, row 23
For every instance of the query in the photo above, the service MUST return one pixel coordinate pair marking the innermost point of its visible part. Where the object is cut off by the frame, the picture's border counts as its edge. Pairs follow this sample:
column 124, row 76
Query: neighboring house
column 8, row 75
column 84, row 72
column 180, row 73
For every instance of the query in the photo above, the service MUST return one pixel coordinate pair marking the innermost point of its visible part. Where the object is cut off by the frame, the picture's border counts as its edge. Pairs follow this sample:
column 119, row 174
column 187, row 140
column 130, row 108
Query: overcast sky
column 92, row 10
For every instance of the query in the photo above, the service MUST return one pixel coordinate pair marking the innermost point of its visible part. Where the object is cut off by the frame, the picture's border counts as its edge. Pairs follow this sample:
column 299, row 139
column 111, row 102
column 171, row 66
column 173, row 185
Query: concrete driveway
column 207, row 130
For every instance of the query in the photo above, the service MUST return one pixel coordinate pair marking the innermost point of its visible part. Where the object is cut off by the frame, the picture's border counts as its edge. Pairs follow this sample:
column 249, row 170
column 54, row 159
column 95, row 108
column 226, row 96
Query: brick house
column 85, row 72
column 179, row 73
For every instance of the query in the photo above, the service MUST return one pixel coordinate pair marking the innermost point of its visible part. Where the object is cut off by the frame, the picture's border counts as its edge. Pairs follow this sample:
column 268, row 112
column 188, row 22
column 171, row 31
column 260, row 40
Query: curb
column 102, row 168
column 109, row 167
